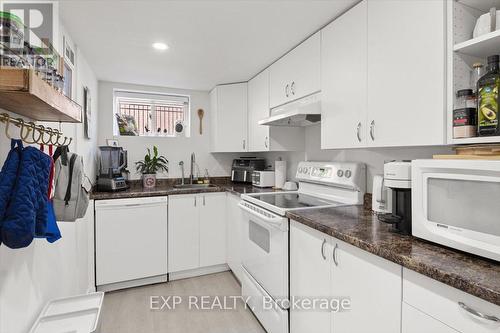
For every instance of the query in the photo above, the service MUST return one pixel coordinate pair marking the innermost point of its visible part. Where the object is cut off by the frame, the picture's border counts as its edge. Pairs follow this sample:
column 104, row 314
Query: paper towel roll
column 279, row 174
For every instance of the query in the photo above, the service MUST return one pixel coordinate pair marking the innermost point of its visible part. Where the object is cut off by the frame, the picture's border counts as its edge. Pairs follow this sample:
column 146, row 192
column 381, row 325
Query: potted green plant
column 151, row 164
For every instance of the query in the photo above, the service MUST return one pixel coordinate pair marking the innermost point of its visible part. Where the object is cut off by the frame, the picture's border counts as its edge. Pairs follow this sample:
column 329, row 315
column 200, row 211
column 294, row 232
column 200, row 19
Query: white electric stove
column 265, row 232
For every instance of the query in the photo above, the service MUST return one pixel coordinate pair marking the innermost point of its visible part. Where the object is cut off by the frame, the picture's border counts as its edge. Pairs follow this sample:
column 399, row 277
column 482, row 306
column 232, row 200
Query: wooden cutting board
column 466, row 157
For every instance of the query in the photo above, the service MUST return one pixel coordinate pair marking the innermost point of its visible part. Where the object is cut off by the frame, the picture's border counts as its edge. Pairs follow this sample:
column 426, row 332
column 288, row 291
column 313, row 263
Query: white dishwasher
column 130, row 242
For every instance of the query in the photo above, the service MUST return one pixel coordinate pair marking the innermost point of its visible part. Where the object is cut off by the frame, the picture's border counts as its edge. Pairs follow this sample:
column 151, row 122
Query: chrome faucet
column 181, row 164
column 193, row 161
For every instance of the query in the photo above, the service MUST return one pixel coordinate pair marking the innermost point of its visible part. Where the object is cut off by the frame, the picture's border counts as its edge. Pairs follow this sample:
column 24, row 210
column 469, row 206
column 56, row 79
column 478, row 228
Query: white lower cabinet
column 415, row 321
column 447, row 309
column 310, row 275
column 324, row 267
column 234, row 222
column 196, row 231
column 212, row 229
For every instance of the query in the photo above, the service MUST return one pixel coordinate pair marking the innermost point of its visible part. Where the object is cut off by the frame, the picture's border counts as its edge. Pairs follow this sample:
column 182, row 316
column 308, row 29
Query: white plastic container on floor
column 78, row 314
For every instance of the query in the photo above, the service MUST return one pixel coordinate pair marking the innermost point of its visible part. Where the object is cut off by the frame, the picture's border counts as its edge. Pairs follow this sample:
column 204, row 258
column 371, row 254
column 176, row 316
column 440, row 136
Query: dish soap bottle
column 487, row 88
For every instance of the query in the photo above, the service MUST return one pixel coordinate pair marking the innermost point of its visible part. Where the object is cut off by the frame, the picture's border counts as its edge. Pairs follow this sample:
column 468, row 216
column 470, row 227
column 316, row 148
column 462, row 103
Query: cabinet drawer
column 415, row 321
column 442, row 302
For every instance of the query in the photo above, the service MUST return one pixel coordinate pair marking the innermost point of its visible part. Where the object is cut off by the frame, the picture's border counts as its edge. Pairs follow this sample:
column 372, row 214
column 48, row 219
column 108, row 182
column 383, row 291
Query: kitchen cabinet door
column 406, row 72
column 415, row 321
column 183, row 233
column 297, row 74
column 234, row 222
column 229, row 118
column 373, row 285
column 212, row 217
column 343, row 80
column 258, row 109
column 310, row 276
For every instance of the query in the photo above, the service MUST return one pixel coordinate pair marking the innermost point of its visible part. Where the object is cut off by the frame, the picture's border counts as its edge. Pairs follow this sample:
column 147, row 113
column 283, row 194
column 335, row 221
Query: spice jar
column 465, row 115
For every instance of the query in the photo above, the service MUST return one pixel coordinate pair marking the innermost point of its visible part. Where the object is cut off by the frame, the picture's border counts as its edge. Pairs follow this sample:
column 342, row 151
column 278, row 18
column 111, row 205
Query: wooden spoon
column 201, row 113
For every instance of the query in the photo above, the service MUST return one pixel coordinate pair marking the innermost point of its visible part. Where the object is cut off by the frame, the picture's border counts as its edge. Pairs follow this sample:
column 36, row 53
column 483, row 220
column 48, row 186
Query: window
column 146, row 114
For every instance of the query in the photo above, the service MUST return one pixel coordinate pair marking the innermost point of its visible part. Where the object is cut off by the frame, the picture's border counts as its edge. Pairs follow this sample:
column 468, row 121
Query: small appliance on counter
column 263, row 178
column 455, row 204
column 397, row 177
column 381, row 196
column 244, row 167
column 112, row 167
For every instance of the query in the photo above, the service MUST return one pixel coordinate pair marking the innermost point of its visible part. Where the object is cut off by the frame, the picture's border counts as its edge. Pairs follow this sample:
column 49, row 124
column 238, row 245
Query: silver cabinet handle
column 372, row 130
column 266, row 144
column 286, row 90
column 244, row 144
column 358, row 129
column 292, row 88
column 195, row 201
column 334, row 256
column 477, row 313
column 323, row 249
column 203, row 200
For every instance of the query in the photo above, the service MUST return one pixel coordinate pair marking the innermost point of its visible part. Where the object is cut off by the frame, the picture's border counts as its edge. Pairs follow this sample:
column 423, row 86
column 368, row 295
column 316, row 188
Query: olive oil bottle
column 487, row 99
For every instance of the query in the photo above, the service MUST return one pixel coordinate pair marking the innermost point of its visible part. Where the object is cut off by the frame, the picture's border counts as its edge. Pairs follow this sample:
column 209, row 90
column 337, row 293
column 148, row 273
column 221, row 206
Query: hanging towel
column 27, row 211
column 8, row 177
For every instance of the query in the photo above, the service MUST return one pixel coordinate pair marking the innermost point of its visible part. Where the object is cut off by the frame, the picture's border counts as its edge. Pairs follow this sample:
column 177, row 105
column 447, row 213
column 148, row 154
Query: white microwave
column 456, row 203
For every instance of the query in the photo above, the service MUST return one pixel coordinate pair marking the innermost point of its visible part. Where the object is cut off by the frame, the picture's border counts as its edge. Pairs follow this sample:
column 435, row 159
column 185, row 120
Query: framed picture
column 112, row 142
column 87, row 112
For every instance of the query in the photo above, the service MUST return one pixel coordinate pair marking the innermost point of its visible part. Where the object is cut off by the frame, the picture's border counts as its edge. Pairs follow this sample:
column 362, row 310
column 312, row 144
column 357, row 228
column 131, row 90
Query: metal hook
column 58, row 136
column 7, row 124
column 40, row 133
column 23, row 126
column 67, row 144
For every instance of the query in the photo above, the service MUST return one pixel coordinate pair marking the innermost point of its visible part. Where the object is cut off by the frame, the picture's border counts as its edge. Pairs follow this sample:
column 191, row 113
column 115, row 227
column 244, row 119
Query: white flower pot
column 149, row 180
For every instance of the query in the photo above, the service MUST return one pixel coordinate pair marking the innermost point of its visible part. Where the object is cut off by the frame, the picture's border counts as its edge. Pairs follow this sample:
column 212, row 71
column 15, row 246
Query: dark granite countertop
column 359, row 227
column 166, row 187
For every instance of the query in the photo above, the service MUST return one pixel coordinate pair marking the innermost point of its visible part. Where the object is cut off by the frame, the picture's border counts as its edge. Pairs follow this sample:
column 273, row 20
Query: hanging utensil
column 201, row 113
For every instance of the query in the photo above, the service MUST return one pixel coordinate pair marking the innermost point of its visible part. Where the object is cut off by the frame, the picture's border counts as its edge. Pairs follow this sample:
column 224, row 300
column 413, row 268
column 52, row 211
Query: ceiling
column 211, row 42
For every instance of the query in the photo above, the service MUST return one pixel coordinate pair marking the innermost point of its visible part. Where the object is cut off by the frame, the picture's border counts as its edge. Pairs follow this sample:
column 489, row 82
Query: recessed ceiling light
column 160, row 46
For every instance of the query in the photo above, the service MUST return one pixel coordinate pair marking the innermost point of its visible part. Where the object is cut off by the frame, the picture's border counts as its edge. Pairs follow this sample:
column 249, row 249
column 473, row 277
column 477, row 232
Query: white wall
column 30, row 277
column 374, row 157
column 174, row 149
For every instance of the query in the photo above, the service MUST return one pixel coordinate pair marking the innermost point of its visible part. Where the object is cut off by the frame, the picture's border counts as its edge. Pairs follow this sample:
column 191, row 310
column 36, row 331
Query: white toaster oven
column 263, row 178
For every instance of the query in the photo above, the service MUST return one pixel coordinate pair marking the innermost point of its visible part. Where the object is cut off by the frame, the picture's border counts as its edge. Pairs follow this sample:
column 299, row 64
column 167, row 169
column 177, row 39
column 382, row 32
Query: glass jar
column 465, row 115
column 477, row 72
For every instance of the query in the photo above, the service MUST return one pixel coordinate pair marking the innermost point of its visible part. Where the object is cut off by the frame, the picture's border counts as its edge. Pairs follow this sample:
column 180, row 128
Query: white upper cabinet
column 258, row 109
column 268, row 138
column 297, row 74
column 343, row 80
column 406, row 72
column 228, row 132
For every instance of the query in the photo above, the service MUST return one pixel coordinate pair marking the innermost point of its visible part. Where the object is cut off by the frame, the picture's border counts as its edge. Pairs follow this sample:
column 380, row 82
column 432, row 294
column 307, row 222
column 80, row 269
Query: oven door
column 265, row 249
column 455, row 203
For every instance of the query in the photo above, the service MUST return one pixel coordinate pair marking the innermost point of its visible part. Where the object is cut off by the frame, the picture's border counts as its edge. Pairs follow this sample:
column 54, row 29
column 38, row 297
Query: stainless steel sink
column 193, row 186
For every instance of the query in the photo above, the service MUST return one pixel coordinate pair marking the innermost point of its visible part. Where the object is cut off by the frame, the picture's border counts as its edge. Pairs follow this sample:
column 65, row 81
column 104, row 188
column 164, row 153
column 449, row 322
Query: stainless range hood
column 303, row 112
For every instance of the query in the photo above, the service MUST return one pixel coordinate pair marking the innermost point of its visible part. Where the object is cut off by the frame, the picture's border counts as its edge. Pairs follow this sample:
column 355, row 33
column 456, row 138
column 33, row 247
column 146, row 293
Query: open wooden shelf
column 25, row 93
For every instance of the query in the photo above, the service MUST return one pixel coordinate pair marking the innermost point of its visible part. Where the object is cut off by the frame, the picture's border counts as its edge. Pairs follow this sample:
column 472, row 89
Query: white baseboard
column 132, row 283
column 198, row 272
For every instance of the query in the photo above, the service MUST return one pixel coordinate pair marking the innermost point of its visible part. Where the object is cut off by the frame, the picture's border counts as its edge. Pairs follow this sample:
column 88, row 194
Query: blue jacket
column 8, row 177
column 26, row 214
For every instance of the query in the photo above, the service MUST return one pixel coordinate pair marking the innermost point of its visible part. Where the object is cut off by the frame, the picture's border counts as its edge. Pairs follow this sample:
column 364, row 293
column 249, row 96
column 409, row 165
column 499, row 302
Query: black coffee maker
column 397, row 177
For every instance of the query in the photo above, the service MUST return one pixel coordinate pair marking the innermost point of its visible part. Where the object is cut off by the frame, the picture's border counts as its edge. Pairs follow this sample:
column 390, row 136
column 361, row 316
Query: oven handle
column 276, row 222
